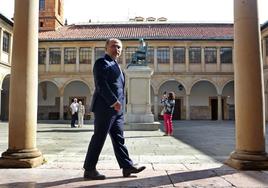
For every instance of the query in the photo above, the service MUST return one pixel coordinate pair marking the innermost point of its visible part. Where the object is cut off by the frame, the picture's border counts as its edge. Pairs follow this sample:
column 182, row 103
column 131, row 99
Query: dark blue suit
column 109, row 87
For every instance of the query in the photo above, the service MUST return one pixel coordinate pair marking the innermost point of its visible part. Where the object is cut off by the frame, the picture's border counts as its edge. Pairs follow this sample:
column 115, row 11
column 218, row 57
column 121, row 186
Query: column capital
column 61, row 91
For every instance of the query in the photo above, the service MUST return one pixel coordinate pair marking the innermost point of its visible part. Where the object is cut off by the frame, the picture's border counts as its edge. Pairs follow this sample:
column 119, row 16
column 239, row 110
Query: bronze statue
column 139, row 57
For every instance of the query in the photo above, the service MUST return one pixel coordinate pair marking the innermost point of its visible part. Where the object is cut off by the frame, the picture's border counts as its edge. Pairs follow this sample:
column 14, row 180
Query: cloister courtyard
column 193, row 157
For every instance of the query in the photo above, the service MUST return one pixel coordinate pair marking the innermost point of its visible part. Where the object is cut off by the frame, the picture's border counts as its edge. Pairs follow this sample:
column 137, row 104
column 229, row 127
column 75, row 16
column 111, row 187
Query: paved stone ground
column 193, row 157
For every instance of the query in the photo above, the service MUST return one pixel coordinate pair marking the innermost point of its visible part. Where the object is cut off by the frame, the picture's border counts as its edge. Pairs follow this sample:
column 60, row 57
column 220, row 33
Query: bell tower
column 51, row 14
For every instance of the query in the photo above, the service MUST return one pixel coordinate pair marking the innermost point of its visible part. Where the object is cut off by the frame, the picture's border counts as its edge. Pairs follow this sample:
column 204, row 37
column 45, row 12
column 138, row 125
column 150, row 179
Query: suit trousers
column 74, row 118
column 113, row 124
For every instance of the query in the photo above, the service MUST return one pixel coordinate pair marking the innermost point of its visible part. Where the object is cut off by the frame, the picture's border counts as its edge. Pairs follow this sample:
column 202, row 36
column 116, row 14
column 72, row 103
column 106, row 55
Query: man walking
column 107, row 106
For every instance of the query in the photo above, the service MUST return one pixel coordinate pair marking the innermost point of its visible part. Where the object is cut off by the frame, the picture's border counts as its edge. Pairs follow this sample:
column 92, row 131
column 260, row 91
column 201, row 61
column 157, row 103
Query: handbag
column 162, row 112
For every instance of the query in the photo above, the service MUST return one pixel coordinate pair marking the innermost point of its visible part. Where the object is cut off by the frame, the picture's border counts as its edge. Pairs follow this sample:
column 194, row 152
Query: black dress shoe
column 93, row 175
column 132, row 170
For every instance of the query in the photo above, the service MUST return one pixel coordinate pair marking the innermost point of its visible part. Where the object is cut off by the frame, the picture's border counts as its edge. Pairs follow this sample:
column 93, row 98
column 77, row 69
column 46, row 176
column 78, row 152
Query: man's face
column 114, row 48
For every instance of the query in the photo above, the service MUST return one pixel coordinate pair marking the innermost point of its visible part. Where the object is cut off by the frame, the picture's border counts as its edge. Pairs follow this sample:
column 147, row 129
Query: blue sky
column 122, row 10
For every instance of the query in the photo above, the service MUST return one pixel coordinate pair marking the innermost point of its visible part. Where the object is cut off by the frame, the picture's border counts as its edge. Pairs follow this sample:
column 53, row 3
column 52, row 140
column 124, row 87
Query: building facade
column 193, row 60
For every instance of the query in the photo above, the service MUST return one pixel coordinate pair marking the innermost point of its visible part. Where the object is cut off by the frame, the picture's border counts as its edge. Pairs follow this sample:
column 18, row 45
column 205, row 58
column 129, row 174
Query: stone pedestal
column 24, row 158
column 139, row 115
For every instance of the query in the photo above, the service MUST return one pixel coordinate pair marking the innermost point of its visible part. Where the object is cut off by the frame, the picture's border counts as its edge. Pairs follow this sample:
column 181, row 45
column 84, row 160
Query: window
column 41, row 56
column 54, row 56
column 179, row 55
column 226, row 55
column 211, row 55
column 41, row 24
column 85, row 55
column 69, row 55
column 163, row 55
column 195, row 55
column 129, row 52
column 6, row 42
column 150, row 55
column 42, row 4
column 99, row 52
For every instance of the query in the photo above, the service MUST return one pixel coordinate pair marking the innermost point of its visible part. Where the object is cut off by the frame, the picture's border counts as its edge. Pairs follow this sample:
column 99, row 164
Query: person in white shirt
column 81, row 113
column 74, row 110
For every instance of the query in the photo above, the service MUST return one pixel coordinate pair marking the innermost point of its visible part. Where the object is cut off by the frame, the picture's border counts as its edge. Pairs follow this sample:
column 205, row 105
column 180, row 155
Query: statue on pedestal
column 139, row 57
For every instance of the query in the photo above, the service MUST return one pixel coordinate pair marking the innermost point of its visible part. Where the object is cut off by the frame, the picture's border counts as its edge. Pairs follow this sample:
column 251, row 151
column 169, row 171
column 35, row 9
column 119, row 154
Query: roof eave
column 145, row 38
column 6, row 19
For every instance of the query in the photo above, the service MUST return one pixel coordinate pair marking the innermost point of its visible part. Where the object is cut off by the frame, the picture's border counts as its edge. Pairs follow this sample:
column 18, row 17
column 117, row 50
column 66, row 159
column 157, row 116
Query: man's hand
column 117, row 106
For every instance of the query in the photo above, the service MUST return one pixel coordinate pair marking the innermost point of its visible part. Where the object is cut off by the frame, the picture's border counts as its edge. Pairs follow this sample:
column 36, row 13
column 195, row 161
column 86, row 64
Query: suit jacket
column 109, row 85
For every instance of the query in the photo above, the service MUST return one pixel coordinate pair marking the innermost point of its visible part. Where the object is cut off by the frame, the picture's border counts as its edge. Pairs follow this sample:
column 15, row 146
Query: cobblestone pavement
column 193, row 157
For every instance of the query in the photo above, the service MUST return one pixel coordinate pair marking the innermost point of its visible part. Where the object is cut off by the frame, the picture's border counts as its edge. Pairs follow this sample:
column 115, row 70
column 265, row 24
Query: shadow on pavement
column 214, row 139
column 118, row 181
column 65, row 130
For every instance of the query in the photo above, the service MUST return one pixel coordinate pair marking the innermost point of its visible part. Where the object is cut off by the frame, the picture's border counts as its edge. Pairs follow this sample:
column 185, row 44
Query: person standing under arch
column 74, row 109
column 81, row 113
column 169, row 103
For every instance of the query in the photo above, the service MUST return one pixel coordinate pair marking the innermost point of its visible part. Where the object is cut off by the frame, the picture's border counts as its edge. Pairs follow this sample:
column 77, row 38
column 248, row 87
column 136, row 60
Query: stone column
column 203, row 63
column 47, row 60
column 22, row 151
column 250, row 151
column 155, row 60
column 62, row 65
column 219, row 108
column 77, row 63
column 10, row 50
column 187, row 59
column 93, row 58
column 187, row 105
column 61, row 92
column 156, row 107
column 171, row 62
column 218, row 59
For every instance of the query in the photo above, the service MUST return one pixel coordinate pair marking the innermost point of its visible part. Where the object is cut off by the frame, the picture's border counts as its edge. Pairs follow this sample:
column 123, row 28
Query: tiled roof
column 133, row 31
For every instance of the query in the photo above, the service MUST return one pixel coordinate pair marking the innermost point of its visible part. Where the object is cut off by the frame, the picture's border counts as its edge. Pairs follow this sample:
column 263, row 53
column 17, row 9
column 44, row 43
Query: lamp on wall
column 180, row 87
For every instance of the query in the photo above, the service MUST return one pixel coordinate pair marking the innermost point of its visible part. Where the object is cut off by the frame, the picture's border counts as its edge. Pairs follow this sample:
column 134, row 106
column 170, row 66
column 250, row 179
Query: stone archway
column 5, row 98
column 228, row 104
column 203, row 101
column 48, row 101
column 81, row 91
column 180, row 93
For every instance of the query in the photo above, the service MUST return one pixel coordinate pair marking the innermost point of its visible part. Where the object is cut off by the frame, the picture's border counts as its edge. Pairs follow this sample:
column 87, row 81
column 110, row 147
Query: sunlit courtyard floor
column 193, row 157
